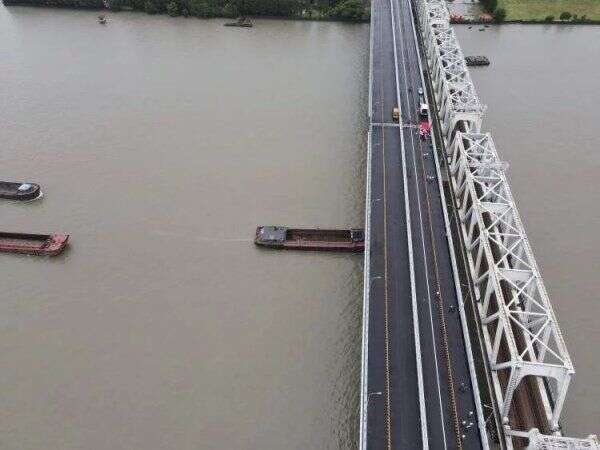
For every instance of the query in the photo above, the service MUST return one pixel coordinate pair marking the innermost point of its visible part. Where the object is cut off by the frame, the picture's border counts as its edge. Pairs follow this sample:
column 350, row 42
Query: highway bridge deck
column 418, row 391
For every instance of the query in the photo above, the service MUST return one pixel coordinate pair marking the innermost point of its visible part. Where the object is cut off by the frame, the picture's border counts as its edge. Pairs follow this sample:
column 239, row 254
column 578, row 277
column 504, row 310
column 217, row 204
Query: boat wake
column 39, row 197
column 35, row 199
column 208, row 238
column 202, row 238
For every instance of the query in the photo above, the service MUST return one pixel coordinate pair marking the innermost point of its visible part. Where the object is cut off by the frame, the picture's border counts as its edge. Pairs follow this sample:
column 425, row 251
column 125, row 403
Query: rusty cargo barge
column 315, row 239
column 33, row 244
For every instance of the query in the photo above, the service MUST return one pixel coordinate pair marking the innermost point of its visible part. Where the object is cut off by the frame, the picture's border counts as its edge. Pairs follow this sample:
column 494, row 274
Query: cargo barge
column 316, row 239
column 33, row 244
column 19, row 191
column 477, row 61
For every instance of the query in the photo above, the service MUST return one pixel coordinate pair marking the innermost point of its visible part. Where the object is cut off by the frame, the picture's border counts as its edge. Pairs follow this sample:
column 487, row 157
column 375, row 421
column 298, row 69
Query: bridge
column 461, row 347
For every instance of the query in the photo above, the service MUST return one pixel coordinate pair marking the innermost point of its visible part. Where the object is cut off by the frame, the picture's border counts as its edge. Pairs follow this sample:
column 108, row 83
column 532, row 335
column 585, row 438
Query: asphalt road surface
column 419, row 389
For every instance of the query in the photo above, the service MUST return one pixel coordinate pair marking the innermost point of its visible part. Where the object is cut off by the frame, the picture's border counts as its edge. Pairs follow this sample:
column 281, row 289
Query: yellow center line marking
column 385, row 274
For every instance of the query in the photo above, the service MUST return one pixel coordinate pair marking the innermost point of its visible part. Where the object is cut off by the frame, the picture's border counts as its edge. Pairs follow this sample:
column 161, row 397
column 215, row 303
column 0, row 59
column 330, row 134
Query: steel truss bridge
column 421, row 378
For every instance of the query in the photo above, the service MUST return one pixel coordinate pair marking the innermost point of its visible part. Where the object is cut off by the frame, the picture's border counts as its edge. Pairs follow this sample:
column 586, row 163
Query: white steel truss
column 538, row 441
column 454, row 92
column 521, row 332
column 436, row 12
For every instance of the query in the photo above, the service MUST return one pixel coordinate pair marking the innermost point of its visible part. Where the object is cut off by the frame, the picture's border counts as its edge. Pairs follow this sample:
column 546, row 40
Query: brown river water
column 542, row 95
column 160, row 144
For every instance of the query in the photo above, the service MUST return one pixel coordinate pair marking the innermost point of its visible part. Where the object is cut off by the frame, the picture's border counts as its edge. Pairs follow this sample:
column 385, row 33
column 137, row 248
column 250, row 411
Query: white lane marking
column 364, row 406
column 370, row 113
column 424, row 250
column 395, row 125
column 385, row 124
column 422, row 412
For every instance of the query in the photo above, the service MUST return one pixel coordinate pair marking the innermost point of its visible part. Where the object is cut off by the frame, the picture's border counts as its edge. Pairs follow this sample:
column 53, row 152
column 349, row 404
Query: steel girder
column 521, row 332
column 538, row 441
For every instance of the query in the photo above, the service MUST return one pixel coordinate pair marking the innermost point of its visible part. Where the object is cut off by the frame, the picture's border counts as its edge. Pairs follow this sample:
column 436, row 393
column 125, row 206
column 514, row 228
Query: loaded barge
column 33, row 244
column 316, row 239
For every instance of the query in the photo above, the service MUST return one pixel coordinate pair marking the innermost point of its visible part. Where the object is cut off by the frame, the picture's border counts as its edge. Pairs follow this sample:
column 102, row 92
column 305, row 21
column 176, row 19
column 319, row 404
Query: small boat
column 241, row 22
column 33, row 244
column 102, row 20
column 348, row 240
column 19, row 191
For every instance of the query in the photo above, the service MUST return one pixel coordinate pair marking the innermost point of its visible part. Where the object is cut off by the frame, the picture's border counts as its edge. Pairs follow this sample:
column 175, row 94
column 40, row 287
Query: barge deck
column 316, row 239
column 33, row 244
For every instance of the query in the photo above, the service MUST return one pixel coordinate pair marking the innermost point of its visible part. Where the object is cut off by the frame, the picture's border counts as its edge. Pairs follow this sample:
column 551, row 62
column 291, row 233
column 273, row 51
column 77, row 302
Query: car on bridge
column 424, row 124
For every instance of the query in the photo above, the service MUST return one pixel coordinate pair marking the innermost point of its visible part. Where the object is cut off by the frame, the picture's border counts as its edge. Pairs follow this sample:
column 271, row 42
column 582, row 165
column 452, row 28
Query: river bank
column 338, row 11
column 559, row 12
column 555, row 11
column 522, row 22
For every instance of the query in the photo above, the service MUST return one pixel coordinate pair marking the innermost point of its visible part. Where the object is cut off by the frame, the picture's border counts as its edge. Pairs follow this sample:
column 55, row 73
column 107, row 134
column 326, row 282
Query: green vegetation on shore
column 348, row 10
column 491, row 6
column 551, row 10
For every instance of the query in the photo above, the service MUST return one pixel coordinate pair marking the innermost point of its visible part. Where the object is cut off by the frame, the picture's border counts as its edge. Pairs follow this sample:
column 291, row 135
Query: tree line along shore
column 535, row 11
column 345, row 10
column 499, row 11
column 561, row 11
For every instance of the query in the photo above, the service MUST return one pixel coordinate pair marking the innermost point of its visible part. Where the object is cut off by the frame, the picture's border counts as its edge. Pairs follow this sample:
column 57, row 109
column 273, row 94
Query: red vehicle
column 424, row 125
column 424, row 129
